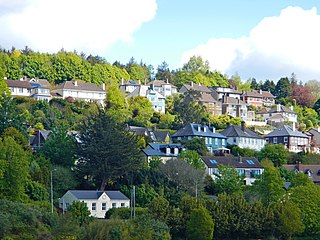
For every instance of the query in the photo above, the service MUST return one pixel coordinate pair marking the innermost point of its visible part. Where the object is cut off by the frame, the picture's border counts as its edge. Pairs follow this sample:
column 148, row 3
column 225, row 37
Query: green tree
column 193, row 158
column 269, row 186
column 106, row 150
column 14, row 170
column 283, row 88
column 80, row 212
column 200, row 226
column 159, row 209
column 228, row 180
column 196, row 144
column 274, row 152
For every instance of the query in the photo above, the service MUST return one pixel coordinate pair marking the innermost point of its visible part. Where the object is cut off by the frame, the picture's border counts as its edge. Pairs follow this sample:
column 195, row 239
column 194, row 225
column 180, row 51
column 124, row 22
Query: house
column 214, row 141
column 258, row 98
column 194, row 86
column 98, row 202
column 40, row 89
column 38, row 140
column 220, row 92
column 163, row 151
column 213, row 106
column 157, row 100
column 243, row 137
column 278, row 114
column 152, row 134
column 164, row 88
column 129, row 86
column 234, row 107
column 314, row 136
column 249, row 167
column 292, row 139
column 21, row 88
column 313, row 171
column 81, row 90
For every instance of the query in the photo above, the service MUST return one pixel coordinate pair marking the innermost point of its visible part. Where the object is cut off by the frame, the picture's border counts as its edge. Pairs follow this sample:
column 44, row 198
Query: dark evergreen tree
column 283, row 88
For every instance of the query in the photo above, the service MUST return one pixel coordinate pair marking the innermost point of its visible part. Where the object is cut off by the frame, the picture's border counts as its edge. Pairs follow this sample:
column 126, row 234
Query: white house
column 164, row 88
column 279, row 114
column 81, row 90
column 40, row 89
column 248, row 167
column 19, row 87
column 98, row 202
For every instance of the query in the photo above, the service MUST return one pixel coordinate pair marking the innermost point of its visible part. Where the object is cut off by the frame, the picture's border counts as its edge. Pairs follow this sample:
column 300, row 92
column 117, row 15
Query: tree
column 196, row 144
column 228, row 180
column 200, row 226
column 274, row 152
column 193, row 158
column 269, row 186
column 303, row 96
column 106, row 150
column 80, row 212
column 163, row 72
column 283, row 88
column 159, row 209
column 14, row 170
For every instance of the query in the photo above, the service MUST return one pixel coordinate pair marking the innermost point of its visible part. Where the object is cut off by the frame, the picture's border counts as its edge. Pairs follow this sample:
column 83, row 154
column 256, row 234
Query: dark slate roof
column 314, row 132
column 314, row 170
column 79, row 85
column 285, row 131
column 236, row 162
column 237, row 131
column 158, row 146
column 18, row 83
column 91, row 194
column 162, row 135
column 152, row 152
column 191, row 129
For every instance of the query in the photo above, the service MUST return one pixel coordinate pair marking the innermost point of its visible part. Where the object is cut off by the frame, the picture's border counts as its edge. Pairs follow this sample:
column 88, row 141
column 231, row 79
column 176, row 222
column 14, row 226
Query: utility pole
column 51, row 190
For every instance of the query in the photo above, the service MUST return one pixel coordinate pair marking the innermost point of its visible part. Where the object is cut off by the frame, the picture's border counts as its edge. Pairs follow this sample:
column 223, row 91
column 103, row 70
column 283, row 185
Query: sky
column 253, row 39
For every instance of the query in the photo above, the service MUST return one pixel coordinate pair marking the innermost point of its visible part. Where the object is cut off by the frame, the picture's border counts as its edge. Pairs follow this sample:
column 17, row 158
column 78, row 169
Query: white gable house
column 98, row 202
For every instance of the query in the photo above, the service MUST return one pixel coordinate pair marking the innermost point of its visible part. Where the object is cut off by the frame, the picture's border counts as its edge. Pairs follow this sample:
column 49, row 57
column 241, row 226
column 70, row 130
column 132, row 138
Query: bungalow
column 250, row 168
column 215, row 142
column 98, row 202
column 292, row 139
column 243, row 137
column 163, row 151
column 80, row 90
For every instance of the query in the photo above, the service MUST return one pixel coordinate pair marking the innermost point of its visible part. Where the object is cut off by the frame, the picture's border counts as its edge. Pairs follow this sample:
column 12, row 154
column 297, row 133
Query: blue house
column 215, row 142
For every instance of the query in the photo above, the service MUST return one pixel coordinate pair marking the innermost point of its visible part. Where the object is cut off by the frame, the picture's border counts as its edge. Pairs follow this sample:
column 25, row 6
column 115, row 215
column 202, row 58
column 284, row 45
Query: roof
column 285, row 131
column 258, row 94
column 162, row 135
column 314, row 132
column 206, row 97
column 232, row 100
column 277, row 116
column 238, row 131
column 79, row 85
column 191, row 129
column 280, row 108
column 232, row 161
column 314, row 170
column 158, row 146
column 141, row 90
column 92, row 194
column 158, row 83
column 197, row 87
column 226, row 90
column 159, row 149
column 19, row 83
column 43, row 83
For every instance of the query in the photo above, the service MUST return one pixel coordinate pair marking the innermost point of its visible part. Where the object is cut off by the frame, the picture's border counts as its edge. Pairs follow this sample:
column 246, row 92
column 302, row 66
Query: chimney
column 300, row 167
column 243, row 125
column 260, row 91
column 122, row 81
column 103, row 85
column 278, row 108
column 239, row 158
column 145, row 81
column 199, row 84
column 191, row 84
column 228, row 124
column 75, row 83
column 291, row 108
column 139, row 82
column 318, row 129
column 167, row 81
column 5, row 78
column 294, row 126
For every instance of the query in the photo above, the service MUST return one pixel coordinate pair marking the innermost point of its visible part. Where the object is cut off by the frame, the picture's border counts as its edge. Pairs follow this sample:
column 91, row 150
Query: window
column 250, row 162
column 122, row 204
column 234, row 140
column 93, row 206
column 216, row 141
column 104, row 206
column 20, row 90
column 275, row 140
column 285, row 139
column 12, row 89
column 114, row 205
column 213, row 161
column 223, row 142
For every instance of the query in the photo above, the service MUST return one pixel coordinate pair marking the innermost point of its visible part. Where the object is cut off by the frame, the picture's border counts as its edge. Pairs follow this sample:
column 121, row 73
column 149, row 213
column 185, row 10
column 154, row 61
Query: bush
column 124, row 213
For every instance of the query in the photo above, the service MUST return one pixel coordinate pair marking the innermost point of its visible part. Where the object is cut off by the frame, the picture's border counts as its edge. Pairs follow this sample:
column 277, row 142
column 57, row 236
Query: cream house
column 98, row 202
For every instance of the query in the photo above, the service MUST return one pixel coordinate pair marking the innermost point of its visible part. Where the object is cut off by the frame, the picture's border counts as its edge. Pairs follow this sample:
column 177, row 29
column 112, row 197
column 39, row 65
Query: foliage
column 80, row 212
column 283, row 88
column 193, row 158
column 274, row 152
column 200, row 226
column 228, row 180
column 124, row 213
column 247, row 152
column 106, row 150
column 196, row 144
column 159, row 209
column 220, row 122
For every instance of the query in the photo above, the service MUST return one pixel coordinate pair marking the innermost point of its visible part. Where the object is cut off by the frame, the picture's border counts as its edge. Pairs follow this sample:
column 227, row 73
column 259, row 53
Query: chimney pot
column 243, row 125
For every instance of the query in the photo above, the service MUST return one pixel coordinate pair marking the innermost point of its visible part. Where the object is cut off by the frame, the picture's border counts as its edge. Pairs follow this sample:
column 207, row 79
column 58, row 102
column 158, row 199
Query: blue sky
column 261, row 39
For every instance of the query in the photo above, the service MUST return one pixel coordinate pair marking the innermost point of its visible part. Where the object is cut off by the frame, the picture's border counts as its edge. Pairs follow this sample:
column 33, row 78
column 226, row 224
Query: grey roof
column 158, row 146
column 158, row 83
column 286, row 131
column 92, row 194
column 237, row 131
column 282, row 109
column 207, row 97
column 258, row 94
column 19, row 83
column 162, row 135
column 314, row 132
column 40, row 83
column 236, row 162
column 197, row 87
column 79, row 85
column 191, row 129
column 232, row 100
column 159, row 149
column 314, row 170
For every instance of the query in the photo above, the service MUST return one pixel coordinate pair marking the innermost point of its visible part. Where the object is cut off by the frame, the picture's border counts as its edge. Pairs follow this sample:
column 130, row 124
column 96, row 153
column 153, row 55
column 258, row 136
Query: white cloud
column 276, row 47
column 89, row 26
